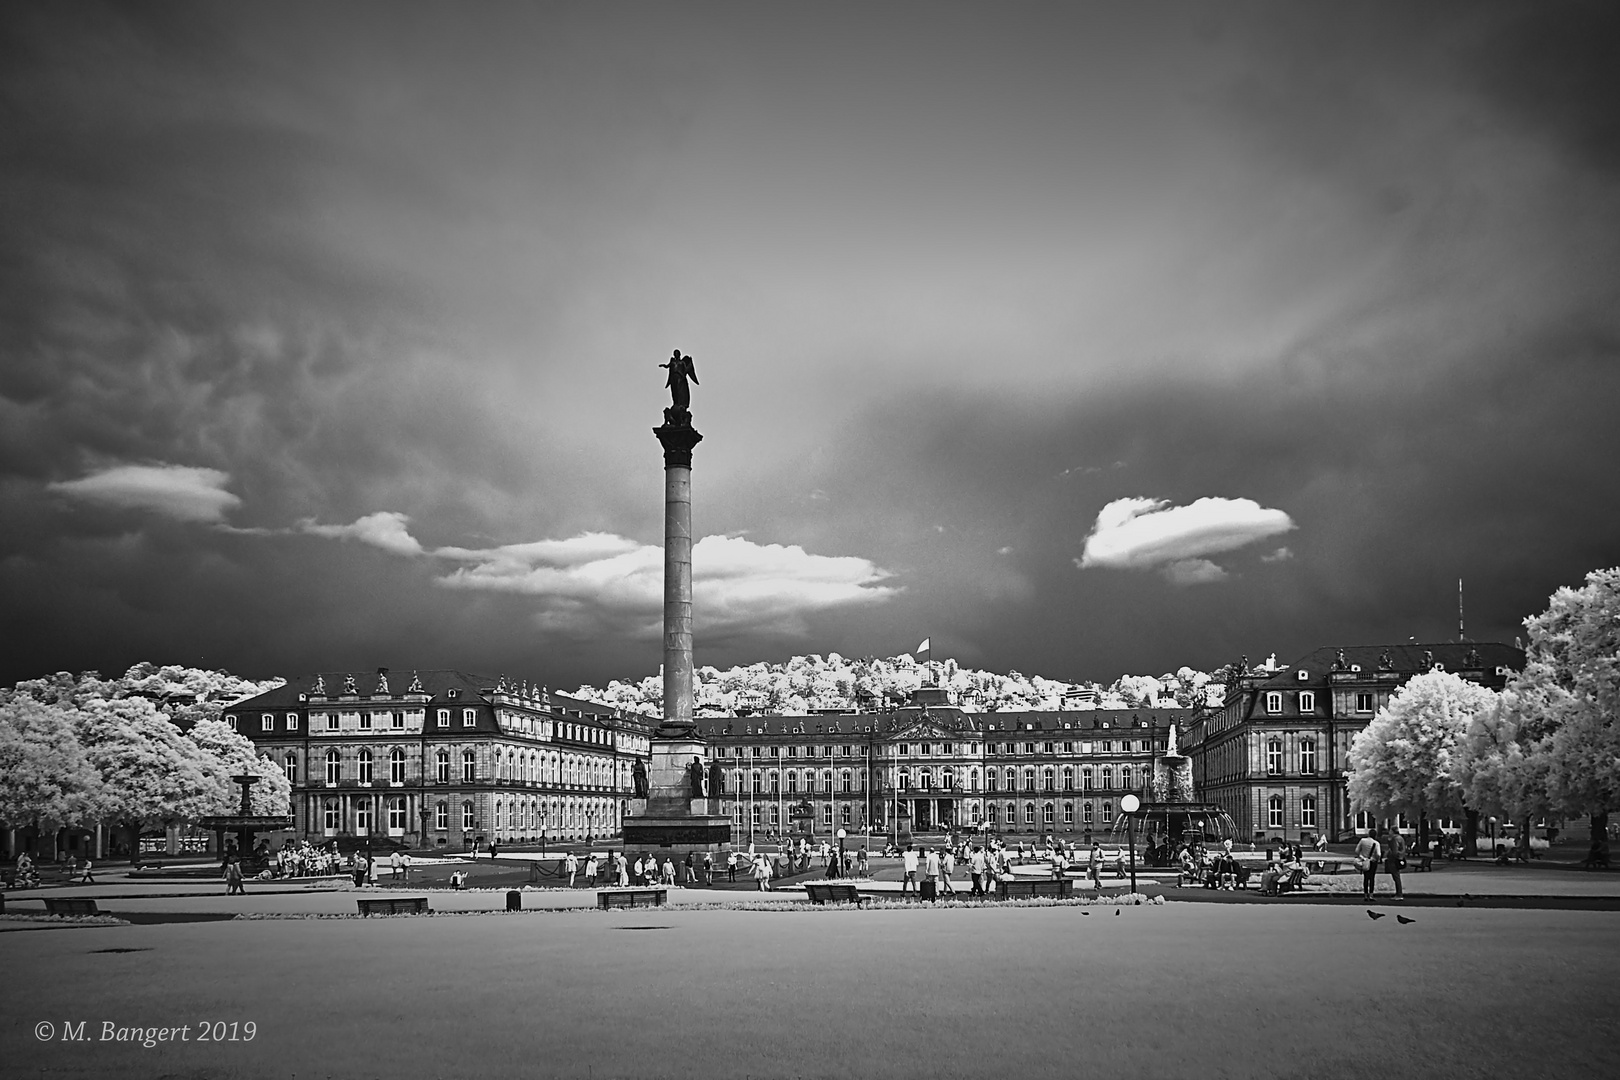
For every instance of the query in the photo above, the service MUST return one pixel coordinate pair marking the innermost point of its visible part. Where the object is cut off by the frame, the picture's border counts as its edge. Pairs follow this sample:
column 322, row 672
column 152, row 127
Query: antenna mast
column 1460, row 636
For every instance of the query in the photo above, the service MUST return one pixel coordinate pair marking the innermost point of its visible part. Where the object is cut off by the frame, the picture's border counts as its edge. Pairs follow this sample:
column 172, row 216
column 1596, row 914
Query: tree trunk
column 1470, row 837
column 1423, row 830
column 134, row 843
column 1598, row 855
column 1524, row 839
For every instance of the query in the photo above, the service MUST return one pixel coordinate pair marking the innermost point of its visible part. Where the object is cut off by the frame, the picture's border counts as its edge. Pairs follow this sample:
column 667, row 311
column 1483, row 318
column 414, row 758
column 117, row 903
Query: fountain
column 1174, row 816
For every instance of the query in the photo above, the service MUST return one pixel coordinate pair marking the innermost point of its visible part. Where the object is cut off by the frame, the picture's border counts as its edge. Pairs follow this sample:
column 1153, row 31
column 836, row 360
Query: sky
column 1079, row 338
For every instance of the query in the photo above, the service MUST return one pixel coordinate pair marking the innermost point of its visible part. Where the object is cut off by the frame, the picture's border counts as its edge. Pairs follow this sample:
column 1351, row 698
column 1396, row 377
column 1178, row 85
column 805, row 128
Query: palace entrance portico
column 933, row 814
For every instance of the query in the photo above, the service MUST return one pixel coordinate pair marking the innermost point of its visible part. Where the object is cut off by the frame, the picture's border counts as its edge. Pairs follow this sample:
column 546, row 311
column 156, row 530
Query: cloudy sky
column 1080, row 338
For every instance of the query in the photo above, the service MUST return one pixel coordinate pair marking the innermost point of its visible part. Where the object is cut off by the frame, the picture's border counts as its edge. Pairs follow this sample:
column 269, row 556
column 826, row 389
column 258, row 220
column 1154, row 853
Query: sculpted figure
column 681, row 370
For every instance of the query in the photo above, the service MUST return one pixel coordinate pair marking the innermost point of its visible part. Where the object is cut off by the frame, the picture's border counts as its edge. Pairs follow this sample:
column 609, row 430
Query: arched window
column 469, row 767
column 904, row 782
column 826, row 781
column 1125, row 777
column 793, row 781
column 846, row 782
column 1307, row 757
column 1307, row 812
column 1107, row 777
column 1068, row 778
column 441, row 767
column 927, row 780
column 396, row 766
column 441, row 817
column 292, row 768
column 362, row 816
column 991, row 779
column 468, row 822
column 775, row 780
column 1274, row 812
column 973, row 779
column 1029, row 785
column 990, row 813
column 334, row 766
column 1085, row 814
column 947, row 780
column 1047, row 815
column 1085, row 778
column 365, row 766
column 1048, row 779
column 1274, row 757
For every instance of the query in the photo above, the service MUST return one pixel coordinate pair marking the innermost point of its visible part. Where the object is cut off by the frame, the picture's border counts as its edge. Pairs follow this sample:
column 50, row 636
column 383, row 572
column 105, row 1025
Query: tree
column 1499, row 766
column 1403, row 761
column 45, row 777
column 1571, row 681
column 233, row 755
column 151, row 774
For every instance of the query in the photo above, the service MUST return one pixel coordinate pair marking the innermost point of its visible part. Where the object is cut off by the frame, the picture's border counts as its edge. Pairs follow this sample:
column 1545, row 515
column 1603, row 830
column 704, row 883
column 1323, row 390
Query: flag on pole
column 922, row 649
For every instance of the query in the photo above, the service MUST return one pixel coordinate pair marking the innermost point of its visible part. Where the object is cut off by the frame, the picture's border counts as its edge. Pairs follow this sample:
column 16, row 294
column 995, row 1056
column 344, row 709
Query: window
column 331, row 721
column 1085, row 778
column 1108, row 746
column 843, row 815
column 1274, row 757
column 792, row 782
column 1108, row 811
column 1029, row 779
column 1047, row 815
column 469, row 766
column 826, row 814
column 468, row 822
column 1307, row 701
column 776, row 816
column 1029, row 748
column 441, row 817
column 469, row 717
column 1068, row 815
column 926, row 749
column 1307, row 812
column 292, row 768
column 1048, row 779
column 396, row 815
column 267, row 722
column 990, row 782
column 292, row 721
column 1029, row 813
column 230, row 719
column 396, row 766
column 973, row 779
column 331, row 820
column 754, row 815
column 759, row 783
column 334, row 767
column 1364, row 821
column 444, row 717
column 1125, row 777
column 1085, row 814
column 1107, row 777
column 905, row 780
column 1068, row 778
column 1274, row 812
column 975, row 811
column 1307, row 757
column 793, row 751
column 365, row 766
column 927, row 781
column 365, row 721
column 846, row 782
column 1364, row 703
column 990, row 813
column 396, row 720
column 1049, row 748
column 1273, row 701
column 776, row 783
column 362, row 816
column 947, row 780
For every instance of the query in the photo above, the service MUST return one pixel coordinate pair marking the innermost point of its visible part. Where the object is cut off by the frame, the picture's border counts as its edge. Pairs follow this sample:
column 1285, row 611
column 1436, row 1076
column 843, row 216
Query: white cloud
column 385, row 529
column 608, row 583
column 1282, row 554
column 1193, row 572
column 1140, row 533
column 184, row 492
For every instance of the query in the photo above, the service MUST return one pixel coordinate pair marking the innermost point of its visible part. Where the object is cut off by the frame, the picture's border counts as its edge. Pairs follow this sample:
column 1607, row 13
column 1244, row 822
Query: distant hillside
column 815, row 683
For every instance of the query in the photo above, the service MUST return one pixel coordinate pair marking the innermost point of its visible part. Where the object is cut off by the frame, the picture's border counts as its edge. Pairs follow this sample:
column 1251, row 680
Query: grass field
column 1168, row 991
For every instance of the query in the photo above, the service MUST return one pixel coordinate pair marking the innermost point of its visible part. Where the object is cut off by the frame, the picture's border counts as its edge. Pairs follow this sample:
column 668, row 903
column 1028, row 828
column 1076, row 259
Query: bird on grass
column 1404, row 921
column 1116, row 911
column 1371, row 914
column 1085, row 913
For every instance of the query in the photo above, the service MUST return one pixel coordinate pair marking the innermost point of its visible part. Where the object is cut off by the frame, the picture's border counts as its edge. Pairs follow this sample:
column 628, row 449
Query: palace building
column 1274, row 754
column 933, row 766
column 443, row 758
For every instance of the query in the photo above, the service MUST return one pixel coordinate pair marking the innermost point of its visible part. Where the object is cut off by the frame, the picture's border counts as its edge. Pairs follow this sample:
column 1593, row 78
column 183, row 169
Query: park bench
column 1013, row 889
column 70, row 905
column 1424, row 862
column 392, row 905
column 836, row 894
column 630, row 898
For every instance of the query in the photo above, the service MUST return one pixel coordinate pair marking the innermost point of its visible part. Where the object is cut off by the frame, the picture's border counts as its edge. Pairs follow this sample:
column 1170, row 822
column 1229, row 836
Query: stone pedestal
column 676, row 819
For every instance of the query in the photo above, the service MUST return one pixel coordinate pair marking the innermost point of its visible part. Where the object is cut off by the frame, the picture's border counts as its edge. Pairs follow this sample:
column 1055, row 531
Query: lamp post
column 1493, row 838
column 1130, row 804
column 843, row 867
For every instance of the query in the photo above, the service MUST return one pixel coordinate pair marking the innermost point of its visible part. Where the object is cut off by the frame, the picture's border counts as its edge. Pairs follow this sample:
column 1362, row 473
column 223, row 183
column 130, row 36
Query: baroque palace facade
column 443, row 758
column 1275, row 754
column 440, row 759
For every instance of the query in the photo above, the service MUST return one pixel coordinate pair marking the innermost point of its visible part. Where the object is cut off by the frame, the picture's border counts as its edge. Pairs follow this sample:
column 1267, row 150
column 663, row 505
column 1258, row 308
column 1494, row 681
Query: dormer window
column 1302, row 675
column 1307, row 701
column 1274, row 701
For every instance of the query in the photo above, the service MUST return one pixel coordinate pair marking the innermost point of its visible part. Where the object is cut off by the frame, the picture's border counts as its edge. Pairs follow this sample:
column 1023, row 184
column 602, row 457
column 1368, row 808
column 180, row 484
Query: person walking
column 909, row 861
column 1368, row 853
column 1395, row 860
column 976, row 867
column 624, row 870
column 233, row 878
column 405, row 865
column 669, row 870
column 708, row 868
column 590, row 871
column 1094, row 866
column 87, row 878
column 947, row 867
column 571, row 867
column 731, row 867
column 860, row 862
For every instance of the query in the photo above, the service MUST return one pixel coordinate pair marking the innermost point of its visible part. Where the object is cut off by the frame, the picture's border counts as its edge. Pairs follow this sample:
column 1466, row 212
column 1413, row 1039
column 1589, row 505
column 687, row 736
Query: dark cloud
column 955, row 284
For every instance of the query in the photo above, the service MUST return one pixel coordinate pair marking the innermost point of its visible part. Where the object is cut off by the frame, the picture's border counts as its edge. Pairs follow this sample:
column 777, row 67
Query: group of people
column 304, row 859
column 1381, row 849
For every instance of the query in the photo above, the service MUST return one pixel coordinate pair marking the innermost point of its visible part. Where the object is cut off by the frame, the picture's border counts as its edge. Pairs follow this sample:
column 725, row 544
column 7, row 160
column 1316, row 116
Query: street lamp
column 1493, row 838
column 843, row 867
column 1130, row 804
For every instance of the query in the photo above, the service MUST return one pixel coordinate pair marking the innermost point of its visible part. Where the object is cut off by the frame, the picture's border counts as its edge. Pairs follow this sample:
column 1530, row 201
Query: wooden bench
column 1424, row 862
column 392, row 905
column 1014, row 889
column 630, row 898
column 70, row 905
column 836, row 894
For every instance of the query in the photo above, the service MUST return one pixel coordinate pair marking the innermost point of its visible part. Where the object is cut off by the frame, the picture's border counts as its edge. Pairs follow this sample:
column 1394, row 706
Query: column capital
column 678, row 439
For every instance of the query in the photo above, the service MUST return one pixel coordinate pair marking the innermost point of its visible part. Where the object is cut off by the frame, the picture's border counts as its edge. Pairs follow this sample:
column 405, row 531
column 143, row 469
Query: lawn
column 1168, row 991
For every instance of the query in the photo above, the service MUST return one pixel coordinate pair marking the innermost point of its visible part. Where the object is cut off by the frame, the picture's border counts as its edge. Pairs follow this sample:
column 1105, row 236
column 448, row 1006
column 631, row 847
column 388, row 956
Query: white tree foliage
column 1403, row 761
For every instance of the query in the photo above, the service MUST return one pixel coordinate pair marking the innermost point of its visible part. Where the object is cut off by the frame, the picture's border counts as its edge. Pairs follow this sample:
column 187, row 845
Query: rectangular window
column 330, row 818
column 467, row 817
column 469, row 717
column 396, row 815
column 396, row 721
column 1307, row 701
column 362, row 816
column 267, row 722
column 441, row 817
column 826, row 814
column 292, row 721
column 1307, row 757
column 1274, row 701
column 1029, row 748
column 927, row 748
column 1108, row 746
column 230, row 718
column 1068, row 813
column 365, row 721
column 1364, row 703
column 1085, row 814
column 905, row 749
column 1307, row 812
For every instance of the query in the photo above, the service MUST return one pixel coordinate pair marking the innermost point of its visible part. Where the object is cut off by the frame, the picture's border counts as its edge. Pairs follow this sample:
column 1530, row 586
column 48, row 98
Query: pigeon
column 1116, row 911
column 1404, row 921
column 1371, row 914
column 1085, row 913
